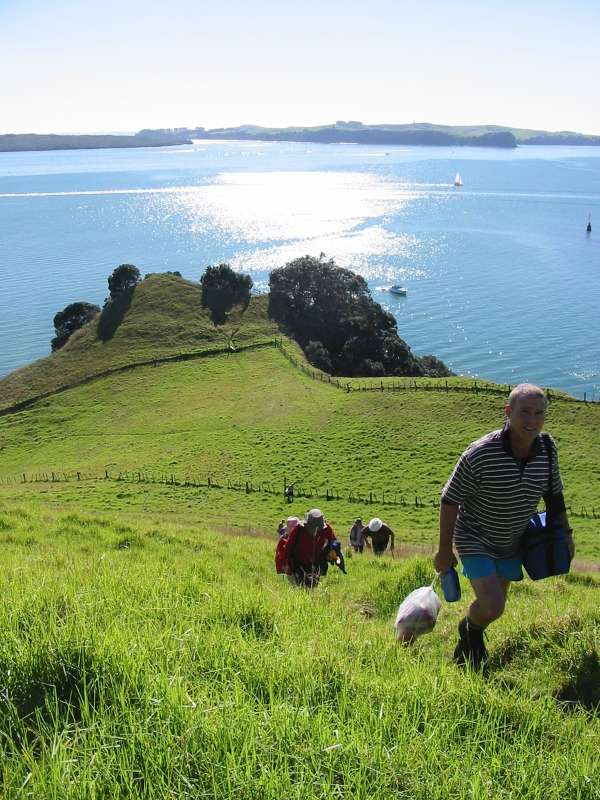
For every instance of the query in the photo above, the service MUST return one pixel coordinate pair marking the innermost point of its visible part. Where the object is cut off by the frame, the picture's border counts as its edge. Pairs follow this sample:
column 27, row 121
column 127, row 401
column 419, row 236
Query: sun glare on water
column 290, row 214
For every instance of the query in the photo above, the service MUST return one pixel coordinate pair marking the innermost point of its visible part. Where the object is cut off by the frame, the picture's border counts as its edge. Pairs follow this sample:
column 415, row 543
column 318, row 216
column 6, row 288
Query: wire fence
column 364, row 497
column 344, row 384
column 415, row 384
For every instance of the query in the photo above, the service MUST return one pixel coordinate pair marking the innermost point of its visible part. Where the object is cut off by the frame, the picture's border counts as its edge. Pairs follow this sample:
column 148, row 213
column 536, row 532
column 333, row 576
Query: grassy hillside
column 253, row 417
column 165, row 318
column 157, row 661
column 150, row 651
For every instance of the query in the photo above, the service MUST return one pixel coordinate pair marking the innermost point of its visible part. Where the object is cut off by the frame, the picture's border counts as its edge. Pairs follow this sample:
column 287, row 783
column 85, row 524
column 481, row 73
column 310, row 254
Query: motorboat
column 398, row 290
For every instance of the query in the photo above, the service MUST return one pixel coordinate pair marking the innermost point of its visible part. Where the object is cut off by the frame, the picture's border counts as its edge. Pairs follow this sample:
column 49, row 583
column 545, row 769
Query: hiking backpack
column 281, row 555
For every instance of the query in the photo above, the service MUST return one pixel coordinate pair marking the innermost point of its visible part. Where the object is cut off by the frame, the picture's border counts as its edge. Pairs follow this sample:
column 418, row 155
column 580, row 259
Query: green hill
column 252, row 417
column 164, row 320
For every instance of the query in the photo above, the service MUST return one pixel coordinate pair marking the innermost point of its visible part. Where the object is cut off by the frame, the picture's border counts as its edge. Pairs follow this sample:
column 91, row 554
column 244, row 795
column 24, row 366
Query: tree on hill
column 124, row 278
column 330, row 312
column 121, row 284
column 223, row 288
column 69, row 320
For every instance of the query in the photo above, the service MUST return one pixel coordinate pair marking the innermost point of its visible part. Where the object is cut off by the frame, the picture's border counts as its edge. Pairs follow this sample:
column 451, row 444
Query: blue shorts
column 481, row 566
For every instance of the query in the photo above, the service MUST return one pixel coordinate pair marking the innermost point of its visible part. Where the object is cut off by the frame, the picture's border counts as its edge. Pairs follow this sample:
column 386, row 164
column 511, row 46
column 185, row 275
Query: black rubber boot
column 471, row 647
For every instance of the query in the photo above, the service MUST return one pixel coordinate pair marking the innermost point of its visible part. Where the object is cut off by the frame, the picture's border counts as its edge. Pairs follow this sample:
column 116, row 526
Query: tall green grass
column 157, row 660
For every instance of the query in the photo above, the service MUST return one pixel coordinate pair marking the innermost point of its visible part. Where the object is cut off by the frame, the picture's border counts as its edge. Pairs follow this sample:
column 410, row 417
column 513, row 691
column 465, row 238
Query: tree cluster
column 123, row 279
column 69, row 320
column 222, row 289
column 342, row 330
column 121, row 283
column 328, row 310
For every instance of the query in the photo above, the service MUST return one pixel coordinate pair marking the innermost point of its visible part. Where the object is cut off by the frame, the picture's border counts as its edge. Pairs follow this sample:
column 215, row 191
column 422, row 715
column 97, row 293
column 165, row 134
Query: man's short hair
column 526, row 390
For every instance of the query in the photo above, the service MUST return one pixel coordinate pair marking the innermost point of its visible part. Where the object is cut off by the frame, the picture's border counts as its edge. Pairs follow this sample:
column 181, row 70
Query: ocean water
column 503, row 281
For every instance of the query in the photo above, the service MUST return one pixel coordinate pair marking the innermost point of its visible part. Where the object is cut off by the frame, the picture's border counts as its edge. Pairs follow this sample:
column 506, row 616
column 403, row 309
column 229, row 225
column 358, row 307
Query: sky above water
column 121, row 66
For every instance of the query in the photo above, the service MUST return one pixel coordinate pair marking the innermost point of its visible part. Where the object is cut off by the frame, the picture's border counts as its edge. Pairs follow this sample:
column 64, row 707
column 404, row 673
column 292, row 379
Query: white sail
column 458, row 180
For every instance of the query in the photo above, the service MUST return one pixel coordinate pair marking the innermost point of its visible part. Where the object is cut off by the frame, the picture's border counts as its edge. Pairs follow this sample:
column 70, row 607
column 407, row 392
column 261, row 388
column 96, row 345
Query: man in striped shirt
column 486, row 504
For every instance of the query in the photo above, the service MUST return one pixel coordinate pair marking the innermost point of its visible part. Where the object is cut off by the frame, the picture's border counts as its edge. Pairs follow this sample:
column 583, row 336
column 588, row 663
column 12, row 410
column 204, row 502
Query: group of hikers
column 376, row 530
column 486, row 505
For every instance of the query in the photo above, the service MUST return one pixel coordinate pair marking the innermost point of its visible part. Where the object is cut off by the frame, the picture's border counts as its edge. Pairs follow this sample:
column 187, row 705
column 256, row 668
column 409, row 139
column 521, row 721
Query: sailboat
column 458, row 180
column 589, row 225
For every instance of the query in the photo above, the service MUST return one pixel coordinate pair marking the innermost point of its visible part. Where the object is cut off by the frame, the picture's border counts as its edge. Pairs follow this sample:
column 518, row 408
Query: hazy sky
column 121, row 66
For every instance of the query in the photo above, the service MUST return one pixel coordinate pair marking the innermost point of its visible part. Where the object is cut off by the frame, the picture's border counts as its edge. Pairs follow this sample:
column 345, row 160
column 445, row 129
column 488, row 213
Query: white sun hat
column 316, row 515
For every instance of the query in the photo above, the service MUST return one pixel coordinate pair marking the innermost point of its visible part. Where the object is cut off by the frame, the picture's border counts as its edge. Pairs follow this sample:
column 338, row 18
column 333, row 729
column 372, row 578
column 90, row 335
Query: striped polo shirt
column 497, row 493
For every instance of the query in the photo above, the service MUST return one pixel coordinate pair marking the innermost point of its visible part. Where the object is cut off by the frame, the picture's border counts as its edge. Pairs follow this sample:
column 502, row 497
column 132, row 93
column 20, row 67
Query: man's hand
column 443, row 560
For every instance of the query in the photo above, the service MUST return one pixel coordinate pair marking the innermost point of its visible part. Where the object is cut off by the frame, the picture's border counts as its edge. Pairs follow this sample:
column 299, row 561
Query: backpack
column 281, row 555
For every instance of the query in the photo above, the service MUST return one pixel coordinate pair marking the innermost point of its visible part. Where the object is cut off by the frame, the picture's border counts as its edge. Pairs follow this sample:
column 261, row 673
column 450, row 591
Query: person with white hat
column 307, row 552
column 380, row 534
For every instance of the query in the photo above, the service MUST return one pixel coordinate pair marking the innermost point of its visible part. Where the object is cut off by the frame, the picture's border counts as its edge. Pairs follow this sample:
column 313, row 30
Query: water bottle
column 450, row 585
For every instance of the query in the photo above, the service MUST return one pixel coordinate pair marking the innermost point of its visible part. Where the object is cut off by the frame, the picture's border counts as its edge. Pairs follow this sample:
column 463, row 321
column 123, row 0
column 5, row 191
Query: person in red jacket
column 308, row 548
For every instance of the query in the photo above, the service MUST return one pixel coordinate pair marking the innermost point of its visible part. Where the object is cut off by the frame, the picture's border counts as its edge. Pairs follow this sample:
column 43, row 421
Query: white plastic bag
column 417, row 614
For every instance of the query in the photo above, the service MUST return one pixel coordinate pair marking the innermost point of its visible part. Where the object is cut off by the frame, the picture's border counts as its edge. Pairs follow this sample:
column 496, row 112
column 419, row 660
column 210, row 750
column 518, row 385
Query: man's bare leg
column 490, row 599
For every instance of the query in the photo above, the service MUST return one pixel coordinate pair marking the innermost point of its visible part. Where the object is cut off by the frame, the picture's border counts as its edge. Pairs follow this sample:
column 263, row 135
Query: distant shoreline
column 35, row 142
column 414, row 135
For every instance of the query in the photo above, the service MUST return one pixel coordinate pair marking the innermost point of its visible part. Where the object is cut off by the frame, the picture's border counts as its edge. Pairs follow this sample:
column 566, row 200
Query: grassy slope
column 165, row 318
column 157, row 661
column 147, row 653
column 252, row 416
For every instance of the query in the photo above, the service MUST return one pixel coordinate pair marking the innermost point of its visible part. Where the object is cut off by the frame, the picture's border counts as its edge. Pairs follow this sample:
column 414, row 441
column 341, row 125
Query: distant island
column 13, row 142
column 351, row 132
